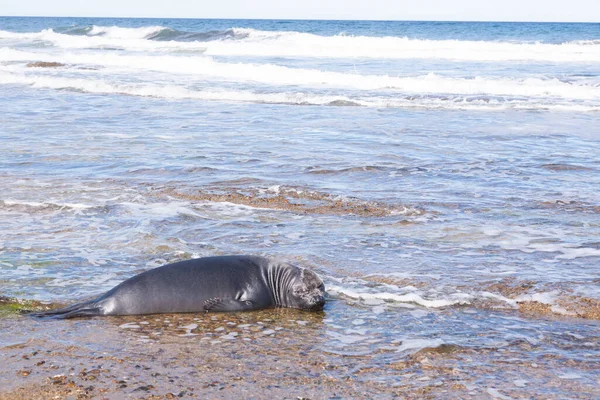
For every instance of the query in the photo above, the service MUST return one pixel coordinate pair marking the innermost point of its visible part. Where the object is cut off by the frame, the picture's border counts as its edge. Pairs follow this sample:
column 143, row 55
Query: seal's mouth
column 317, row 305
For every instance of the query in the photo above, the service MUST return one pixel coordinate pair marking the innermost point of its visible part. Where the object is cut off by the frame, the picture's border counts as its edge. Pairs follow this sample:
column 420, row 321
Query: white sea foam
column 160, row 210
column 402, row 99
column 124, row 33
column 270, row 74
column 46, row 205
column 299, row 44
column 253, row 42
column 411, row 297
column 388, row 295
column 532, row 240
column 105, row 38
column 204, row 78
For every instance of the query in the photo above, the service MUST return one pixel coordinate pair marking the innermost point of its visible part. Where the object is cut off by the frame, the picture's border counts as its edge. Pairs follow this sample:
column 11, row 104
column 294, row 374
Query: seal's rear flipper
column 74, row 311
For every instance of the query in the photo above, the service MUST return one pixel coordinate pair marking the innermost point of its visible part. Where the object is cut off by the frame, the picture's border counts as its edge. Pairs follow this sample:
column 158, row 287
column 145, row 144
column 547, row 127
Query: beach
column 440, row 177
column 270, row 354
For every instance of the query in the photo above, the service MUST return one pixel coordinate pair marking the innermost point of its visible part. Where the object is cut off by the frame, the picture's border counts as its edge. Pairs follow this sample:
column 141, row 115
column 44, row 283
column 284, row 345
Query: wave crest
column 258, row 43
column 399, row 100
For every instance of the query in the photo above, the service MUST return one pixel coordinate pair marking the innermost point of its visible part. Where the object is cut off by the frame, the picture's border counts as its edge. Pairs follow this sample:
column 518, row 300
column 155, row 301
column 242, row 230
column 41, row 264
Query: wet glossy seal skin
column 227, row 283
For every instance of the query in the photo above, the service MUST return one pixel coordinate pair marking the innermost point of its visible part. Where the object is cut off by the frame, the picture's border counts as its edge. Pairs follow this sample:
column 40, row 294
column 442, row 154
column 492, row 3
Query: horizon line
column 306, row 19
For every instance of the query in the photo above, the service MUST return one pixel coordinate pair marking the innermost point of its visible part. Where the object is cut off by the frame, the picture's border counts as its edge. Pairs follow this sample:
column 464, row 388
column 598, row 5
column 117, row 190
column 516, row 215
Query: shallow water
column 350, row 351
column 434, row 206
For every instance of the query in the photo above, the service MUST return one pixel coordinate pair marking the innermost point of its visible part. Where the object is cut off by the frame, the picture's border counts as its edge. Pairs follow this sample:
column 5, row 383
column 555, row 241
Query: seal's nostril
column 319, row 303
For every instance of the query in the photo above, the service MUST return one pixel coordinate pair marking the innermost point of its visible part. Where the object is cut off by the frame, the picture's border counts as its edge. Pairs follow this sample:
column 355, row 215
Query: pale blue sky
column 454, row 10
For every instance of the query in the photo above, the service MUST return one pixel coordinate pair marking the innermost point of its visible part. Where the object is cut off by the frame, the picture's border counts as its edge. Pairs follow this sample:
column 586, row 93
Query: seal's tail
column 86, row 309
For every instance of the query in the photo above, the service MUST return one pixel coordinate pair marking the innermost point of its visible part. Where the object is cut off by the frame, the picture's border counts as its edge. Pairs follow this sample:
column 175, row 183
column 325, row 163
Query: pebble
column 229, row 336
column 570, row 375
column 129, row 325
column 189, row 327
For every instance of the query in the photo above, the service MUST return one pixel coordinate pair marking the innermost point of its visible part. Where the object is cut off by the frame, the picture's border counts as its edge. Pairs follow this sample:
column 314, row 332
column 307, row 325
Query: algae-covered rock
column 10, row 306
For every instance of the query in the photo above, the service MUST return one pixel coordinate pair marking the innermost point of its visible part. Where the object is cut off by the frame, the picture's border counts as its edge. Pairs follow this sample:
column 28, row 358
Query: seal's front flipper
column 221, row 305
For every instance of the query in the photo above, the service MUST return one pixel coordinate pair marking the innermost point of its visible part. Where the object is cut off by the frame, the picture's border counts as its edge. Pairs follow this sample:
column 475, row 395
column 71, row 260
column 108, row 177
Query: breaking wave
column 458, row 99
column 252, row 42
column 290, row 97
column 271, row 74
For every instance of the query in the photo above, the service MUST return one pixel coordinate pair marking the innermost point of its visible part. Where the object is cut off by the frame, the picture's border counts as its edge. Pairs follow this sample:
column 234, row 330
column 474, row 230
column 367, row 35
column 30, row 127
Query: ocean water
column 443, row 178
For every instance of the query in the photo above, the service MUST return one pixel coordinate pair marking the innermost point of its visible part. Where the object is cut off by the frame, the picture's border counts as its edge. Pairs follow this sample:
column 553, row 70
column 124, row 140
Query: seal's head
column 306, row 291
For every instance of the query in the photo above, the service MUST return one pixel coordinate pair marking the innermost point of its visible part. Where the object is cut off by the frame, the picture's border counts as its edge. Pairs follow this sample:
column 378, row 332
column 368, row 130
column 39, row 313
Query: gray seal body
column 225, row 283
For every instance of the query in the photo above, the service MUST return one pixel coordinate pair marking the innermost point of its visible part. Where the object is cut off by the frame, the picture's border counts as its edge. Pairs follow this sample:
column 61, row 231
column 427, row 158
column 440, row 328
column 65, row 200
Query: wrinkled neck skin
column 280, row 278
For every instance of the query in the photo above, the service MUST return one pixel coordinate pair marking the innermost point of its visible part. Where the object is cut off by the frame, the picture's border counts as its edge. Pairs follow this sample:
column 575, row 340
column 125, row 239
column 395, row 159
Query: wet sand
column 259, row 355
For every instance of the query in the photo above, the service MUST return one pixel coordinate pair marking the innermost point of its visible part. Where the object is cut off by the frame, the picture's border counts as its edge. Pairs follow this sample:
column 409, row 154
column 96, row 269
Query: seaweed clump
column 10, row 306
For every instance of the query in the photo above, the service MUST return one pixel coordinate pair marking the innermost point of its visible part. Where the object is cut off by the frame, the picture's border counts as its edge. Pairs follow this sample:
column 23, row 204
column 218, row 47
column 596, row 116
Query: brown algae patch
column 296, row 200
column 583, row 307
column 45, row 64
column 569, row 206
column 528, row 297
column 565, row 167
column 523, row 294
column 511, row 287
column 534, row 307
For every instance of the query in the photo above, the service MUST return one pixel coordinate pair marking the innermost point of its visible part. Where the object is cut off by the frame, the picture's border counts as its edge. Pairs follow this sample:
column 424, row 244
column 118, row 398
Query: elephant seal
column 226, row 283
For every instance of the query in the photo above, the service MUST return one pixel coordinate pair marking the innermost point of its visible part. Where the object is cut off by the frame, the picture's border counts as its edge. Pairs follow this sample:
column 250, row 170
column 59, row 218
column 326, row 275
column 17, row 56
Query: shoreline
column 277, row 353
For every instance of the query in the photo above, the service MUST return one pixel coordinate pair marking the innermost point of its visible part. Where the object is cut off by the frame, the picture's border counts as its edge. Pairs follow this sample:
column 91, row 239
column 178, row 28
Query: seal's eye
column 300, row 290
